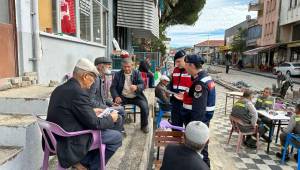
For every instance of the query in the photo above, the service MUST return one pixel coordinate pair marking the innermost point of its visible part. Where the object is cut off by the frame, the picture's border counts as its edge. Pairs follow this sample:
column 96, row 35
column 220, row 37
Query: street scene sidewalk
column 296, row 80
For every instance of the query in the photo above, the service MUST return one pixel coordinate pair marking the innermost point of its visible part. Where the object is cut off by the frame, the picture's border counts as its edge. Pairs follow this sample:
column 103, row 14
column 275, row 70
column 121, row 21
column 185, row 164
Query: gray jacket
column 97, row 95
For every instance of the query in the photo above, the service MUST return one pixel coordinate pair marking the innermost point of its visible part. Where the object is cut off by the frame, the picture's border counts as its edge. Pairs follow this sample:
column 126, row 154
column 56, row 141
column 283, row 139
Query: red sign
column 68, row 19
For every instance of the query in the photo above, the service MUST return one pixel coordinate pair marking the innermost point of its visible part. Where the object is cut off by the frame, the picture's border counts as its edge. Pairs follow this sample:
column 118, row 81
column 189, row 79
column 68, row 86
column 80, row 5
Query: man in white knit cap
column 188, row 155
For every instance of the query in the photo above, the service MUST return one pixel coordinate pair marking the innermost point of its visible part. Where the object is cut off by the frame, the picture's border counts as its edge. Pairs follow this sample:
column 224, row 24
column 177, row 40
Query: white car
column 288, row 68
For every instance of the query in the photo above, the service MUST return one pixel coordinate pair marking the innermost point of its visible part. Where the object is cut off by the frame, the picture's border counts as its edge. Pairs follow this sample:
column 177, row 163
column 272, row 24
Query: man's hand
column 114, row 116
column 179, row 96
column 98, row 111
column 133, row 88
column 118, row 100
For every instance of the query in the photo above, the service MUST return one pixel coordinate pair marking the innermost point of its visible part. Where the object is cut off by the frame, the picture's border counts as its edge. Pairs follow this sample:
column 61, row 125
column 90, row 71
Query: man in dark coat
column 162, row 94
column 97, row 90
column 71, row 109
column 188, row 155
column 127, row 88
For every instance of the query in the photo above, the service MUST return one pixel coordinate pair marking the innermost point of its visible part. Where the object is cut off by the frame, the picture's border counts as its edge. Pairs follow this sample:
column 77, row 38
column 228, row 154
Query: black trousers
column 142, row 103
column 227, row 69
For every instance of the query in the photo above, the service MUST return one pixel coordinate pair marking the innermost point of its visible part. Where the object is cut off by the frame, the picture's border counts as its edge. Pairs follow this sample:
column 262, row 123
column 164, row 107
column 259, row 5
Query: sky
column 214, row 19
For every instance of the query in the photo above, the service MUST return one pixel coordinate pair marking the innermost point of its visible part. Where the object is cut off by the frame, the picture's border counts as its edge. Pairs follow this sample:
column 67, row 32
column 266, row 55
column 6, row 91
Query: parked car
column 288, row 68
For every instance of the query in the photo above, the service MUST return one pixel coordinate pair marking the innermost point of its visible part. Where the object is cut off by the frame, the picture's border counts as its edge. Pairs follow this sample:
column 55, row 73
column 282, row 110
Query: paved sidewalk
column 223, row 155
column 265, row 74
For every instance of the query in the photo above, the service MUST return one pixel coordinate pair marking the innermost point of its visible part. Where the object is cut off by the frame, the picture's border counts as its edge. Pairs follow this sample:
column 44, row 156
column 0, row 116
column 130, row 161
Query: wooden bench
column 162, row 139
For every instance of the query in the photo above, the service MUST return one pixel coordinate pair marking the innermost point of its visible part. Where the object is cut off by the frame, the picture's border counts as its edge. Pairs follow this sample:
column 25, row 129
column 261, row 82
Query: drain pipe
column 36, row 43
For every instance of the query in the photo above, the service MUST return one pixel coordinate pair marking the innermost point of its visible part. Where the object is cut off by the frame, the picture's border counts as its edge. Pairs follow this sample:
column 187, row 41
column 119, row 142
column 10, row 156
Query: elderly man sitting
column 71, row 109
column 127, row 88
column 246, row 112
column 97, row 90
column 188, row 155
column 161, row 93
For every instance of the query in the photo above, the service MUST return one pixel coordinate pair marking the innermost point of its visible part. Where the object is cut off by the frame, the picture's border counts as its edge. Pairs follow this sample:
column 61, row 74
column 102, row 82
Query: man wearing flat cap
column 127, row 88
column 203, row 94
column 188, row 156
column 97, row 90
column 70, row 107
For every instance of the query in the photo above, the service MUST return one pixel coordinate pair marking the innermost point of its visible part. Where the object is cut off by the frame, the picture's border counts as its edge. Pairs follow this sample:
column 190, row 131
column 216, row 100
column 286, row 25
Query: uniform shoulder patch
column 211, row 85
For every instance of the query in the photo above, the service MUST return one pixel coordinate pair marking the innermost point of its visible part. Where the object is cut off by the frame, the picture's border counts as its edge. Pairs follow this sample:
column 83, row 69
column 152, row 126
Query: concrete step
column 21, row 131
column 27, row 100
column 9, row 155
column 13, row 129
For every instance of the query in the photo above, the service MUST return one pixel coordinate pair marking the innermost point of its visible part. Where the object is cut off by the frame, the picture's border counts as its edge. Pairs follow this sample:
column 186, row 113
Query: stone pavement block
column 30, row 74
column 28, row 78
column 5, row 84
column 16, row 80
column 25, row 83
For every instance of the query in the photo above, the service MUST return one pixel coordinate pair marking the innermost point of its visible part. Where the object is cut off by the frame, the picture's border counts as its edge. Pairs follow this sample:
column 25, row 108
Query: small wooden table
column 233, row 95
column 276, row 120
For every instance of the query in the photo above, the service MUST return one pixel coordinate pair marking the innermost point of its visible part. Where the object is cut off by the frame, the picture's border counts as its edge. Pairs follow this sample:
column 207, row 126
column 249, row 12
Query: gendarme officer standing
column 203, row 96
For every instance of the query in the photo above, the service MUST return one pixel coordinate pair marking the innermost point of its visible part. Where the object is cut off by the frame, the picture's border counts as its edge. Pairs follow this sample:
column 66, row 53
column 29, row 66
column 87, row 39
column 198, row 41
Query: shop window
column 85, row 19
column 47, row 15
column 104, row 25
column 60, row 16
column 97, row 21
column 296, row 32
column 68, row 17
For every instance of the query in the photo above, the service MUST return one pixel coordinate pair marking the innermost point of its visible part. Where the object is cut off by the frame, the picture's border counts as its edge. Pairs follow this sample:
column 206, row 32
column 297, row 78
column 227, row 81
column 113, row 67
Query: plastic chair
column 161, row 112
column 163, row 138
column 133, row 108
column 49, row 128
column 236, row 122
column 164, row 124
column 288, row 142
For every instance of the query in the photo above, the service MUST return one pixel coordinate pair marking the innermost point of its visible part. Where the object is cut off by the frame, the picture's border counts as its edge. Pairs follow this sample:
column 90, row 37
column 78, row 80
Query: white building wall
column 58, row 53
column 289, row 15
column 24, row 35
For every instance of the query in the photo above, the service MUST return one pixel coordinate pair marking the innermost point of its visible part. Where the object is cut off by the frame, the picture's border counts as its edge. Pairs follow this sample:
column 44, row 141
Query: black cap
column 102, row 60
column 179, row 54
column 194, row 59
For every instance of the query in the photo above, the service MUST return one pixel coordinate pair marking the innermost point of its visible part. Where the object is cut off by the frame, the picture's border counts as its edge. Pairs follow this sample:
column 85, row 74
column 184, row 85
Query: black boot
column 279, row 155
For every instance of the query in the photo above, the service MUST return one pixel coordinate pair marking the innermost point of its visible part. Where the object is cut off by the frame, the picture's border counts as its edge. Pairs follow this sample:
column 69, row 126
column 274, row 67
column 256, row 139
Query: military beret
column 179, row 54
column 194, row 59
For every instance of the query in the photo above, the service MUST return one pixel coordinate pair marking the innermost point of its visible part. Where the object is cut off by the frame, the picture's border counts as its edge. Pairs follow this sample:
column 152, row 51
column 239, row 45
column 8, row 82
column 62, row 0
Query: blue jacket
column 211, row 96
column 118, row 82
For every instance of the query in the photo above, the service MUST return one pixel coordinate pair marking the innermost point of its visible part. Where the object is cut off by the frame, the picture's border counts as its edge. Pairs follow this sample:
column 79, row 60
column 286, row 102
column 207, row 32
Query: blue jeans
column 113, row 140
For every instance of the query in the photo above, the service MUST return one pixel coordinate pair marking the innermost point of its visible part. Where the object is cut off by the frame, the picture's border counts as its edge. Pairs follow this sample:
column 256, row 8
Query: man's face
column 180, row 62
column 87, row 80
column 104, row 68
column 165, row 82
column 266, row 93
column 127, row 68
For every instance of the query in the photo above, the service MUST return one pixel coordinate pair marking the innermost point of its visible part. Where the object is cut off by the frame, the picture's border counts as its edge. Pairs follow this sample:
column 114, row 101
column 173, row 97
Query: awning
column 293, row 44
column 255, row 51
column 139, row 15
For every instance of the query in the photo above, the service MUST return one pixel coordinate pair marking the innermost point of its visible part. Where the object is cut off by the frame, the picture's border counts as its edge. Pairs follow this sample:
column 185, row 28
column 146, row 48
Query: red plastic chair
column 235, row 128
column 50, row 128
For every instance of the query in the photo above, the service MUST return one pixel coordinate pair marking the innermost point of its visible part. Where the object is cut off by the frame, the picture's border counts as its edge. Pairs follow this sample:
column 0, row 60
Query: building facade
column 210, row 50
column 268, row 52
column 49, row 36
column 290, row 28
